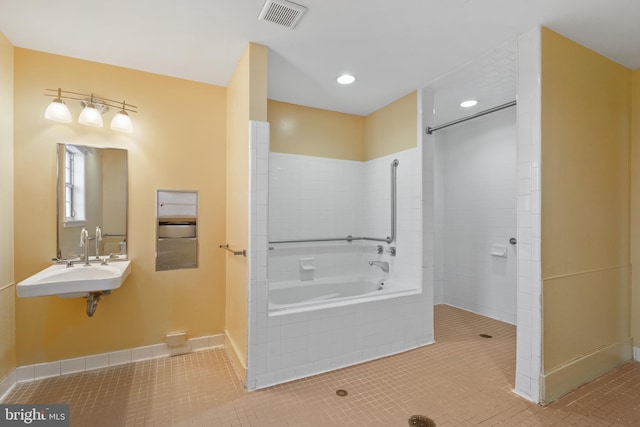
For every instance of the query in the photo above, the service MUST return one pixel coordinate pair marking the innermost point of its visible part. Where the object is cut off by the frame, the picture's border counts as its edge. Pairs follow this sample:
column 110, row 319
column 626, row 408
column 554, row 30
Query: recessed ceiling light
column 346, row 79
column 468, row 103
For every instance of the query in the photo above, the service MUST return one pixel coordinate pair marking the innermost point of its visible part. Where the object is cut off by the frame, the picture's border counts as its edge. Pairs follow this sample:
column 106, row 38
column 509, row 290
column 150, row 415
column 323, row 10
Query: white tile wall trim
column 6, row 385
column 105, row 360
column 529, row 310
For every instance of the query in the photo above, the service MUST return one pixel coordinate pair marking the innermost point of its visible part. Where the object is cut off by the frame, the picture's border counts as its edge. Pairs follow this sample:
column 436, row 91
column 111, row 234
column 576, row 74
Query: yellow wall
column 635, row 207
column 178, row 143
column 585, row 213
column 7, row 288
column 308, row 131
column 392, row 128
column 246, row 100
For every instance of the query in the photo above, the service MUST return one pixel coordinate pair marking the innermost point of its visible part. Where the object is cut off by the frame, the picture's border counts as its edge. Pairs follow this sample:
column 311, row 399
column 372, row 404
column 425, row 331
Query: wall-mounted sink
column 76, row 281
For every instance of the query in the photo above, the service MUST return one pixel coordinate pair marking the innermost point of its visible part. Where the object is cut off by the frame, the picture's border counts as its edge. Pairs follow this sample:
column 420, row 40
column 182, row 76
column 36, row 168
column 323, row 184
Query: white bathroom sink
column 76, row 281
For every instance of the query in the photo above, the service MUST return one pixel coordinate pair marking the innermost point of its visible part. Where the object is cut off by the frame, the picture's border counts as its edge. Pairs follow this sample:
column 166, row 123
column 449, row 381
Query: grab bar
column 388, row 239
column 333, row 239
column 328, row 239
column 394, row 201
column 227, row 248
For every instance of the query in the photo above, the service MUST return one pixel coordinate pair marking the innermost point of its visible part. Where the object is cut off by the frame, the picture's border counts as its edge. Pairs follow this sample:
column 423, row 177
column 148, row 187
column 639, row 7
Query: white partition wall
column 529, row 310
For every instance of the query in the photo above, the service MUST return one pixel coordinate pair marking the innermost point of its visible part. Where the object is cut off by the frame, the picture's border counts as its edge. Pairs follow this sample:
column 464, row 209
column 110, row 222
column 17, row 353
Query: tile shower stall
column 475, row 216
column 295, row 331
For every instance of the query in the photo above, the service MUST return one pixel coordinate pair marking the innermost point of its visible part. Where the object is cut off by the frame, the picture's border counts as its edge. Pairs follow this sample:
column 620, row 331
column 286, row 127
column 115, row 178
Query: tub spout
column 384, row 265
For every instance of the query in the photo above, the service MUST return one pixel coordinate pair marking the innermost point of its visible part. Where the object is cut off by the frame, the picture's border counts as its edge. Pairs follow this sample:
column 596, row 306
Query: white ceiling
column 393, row 46
column 489, row 79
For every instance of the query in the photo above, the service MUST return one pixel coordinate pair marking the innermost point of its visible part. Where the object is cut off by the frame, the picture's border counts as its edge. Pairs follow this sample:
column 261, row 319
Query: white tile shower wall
column 286, row 347
column 406, row 265
column 314, row 197
column 478, row 178
column 331, row 259
column 438, row 237
column 430, row 271
column 529, row 341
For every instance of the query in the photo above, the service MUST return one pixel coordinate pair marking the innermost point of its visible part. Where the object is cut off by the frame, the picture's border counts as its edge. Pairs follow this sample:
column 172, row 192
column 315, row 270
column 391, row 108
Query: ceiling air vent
column 282, row 12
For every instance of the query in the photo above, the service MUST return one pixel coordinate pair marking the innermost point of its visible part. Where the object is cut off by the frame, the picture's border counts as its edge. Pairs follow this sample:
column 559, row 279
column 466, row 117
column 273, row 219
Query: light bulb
column 346, row 79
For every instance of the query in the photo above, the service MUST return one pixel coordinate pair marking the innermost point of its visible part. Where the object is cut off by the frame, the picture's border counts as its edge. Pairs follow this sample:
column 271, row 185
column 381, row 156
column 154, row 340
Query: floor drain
column 341, row 392
column 485, row 336
column 421, row 421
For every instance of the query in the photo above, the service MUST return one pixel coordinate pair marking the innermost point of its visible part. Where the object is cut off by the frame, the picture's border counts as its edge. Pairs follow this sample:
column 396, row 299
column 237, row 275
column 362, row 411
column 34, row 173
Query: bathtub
column 298, row 296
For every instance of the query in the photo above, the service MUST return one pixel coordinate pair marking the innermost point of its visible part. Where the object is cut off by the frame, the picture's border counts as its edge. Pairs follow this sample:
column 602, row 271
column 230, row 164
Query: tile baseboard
column 6, row 385
column 570, row 376
column 105, row 360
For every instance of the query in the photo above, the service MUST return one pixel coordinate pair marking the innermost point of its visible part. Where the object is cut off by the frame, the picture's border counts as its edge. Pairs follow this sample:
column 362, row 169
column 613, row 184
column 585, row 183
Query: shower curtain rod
column 430, row 130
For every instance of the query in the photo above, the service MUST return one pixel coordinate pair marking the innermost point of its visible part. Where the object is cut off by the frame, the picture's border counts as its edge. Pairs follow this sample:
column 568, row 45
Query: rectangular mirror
column 92, row 191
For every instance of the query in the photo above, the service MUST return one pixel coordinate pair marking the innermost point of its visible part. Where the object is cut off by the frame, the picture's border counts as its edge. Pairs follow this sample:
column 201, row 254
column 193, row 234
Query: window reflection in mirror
column 74, row 194
column 92, row 192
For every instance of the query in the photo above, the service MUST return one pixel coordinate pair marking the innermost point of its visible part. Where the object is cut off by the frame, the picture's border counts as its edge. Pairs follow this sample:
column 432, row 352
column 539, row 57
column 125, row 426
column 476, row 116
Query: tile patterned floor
column 462, row 380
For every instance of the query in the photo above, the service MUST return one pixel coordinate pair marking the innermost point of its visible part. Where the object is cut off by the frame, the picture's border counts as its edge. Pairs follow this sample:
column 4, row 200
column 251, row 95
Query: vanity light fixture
column 469, row 103
column 346, row 79
column 58, row 110
column 92, row 112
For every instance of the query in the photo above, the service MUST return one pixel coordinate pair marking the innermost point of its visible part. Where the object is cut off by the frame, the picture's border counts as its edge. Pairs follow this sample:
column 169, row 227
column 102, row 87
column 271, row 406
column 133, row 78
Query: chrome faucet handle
column 84, row 236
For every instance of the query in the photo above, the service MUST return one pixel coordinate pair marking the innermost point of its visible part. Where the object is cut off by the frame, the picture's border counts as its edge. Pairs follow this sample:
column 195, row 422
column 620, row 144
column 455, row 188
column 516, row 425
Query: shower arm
column 388, row 239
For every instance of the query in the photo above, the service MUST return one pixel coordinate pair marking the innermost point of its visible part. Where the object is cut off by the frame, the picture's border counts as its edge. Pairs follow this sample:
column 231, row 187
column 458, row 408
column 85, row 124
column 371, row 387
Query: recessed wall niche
column 177, row 230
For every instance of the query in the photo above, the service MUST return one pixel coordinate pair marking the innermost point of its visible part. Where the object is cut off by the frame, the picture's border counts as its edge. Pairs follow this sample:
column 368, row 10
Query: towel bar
column 227, row 248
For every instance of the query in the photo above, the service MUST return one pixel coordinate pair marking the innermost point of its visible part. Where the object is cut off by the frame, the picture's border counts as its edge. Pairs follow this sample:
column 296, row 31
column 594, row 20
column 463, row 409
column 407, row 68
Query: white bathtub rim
column 328, row 304
column 319, row 281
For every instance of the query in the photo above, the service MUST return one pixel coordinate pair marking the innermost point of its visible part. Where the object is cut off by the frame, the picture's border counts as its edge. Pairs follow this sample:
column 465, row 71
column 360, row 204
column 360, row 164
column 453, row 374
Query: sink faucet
column 84, row 242
column 98, row 239
column 384, row 265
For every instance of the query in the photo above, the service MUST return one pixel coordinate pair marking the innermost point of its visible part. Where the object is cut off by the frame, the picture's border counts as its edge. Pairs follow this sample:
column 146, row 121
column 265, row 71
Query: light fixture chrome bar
column 65, row 94
column 430, row 130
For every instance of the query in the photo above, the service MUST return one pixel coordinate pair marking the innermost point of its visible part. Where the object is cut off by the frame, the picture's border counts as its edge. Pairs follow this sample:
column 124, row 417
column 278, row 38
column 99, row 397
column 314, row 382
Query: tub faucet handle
column 384, row 265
